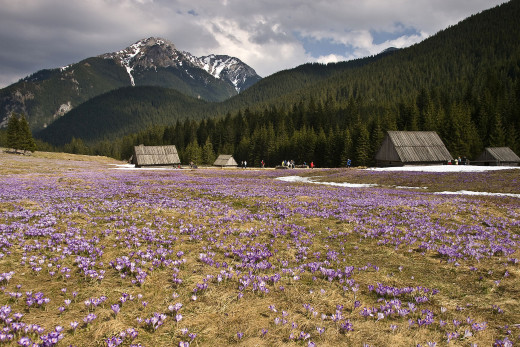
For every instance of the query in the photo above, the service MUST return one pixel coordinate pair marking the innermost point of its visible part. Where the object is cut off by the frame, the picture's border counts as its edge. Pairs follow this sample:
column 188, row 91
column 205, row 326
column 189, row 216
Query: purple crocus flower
column 115, row 308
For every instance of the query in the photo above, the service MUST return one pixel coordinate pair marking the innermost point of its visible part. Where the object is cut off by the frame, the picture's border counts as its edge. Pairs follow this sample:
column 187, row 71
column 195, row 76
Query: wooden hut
column 155, row 156
column 497, row 156
column 225, row 160
column 401, row 148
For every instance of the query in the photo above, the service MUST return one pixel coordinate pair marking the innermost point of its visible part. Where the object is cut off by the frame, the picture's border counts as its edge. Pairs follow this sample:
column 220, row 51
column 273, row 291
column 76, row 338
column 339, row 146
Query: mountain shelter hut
column 155, row 156
column 225, row 160
column 497, row 156
column 400, row 148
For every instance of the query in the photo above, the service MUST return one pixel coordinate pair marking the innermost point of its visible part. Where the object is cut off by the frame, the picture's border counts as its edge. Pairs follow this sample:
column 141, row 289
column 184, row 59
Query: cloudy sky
column 268, row 35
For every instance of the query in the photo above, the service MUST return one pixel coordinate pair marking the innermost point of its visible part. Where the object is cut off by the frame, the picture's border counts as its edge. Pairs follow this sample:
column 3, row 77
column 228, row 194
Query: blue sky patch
column 317, row 48
column 380, row 37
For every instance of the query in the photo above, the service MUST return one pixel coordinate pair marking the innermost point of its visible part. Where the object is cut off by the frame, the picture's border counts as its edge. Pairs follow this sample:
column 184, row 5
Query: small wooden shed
column 225, row 160
column 497, row 156
column 401, row 148
column 155, row 156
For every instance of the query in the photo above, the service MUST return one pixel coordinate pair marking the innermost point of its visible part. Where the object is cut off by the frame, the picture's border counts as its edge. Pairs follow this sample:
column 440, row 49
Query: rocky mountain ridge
column 154, row 52
column 47, row 95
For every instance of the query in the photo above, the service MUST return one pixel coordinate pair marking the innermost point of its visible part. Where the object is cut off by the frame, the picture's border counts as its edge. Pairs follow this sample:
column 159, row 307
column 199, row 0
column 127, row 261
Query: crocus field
column 93, row 255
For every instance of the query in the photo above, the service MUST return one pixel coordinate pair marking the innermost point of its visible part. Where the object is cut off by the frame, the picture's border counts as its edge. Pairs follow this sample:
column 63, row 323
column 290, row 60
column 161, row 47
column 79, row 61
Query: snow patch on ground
column 469, row 192
column 445, row 168
column 309, row 180
column 357, row 185
column 132, row 167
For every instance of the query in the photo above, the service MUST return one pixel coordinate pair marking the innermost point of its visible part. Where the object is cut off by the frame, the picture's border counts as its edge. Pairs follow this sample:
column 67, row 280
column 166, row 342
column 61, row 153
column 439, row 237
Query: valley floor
column 94, row 256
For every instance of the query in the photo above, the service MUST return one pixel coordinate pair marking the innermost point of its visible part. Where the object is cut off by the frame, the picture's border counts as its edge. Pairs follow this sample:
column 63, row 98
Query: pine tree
column 320, row 149
column 376, row 137
column 243, row 150
column 26, row 139
column 13, row 132
column 76, row 146
column 346, row 154
column 427, row 115
column 497, row 136
column 363, row 146
column 193, row 152
column 208, row 155
column 512, row 139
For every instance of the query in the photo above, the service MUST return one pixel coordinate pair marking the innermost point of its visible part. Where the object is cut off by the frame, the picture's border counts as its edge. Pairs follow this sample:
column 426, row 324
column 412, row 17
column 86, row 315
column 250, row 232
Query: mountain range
column 49, row 94
column 463, row 82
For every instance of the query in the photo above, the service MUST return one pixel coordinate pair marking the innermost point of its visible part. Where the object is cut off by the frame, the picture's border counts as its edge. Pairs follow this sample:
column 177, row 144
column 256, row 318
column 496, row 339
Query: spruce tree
column 13, row 132
column 208, row 155
column 346, row 154
column 376, row 137
column 193, row 152
column 497, row 136
column 26, row 139
column 363, row 146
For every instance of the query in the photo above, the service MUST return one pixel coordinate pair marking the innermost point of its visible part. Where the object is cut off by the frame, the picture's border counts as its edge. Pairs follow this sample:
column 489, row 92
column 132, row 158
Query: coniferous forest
column 462, row 82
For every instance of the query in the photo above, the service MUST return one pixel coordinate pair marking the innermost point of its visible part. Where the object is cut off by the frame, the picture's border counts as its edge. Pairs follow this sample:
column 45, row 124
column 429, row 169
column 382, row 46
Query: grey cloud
column 41, row 34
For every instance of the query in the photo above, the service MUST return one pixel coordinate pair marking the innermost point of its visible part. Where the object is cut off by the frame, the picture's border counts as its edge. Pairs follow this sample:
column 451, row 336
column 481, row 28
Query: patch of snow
column 132, row 167
column 212, row 65
column 469, row 192
column 309, row 180
column 127, row 58
column 358, row 185
column 129, row 71
column 444, row 168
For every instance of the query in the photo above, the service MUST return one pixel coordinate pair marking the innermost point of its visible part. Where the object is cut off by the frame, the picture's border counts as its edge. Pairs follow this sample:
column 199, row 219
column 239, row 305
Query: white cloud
column 331, row 58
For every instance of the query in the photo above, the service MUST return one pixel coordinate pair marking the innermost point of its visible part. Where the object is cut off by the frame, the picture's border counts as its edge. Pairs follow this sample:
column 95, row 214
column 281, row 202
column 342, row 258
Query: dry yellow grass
column 145, row 212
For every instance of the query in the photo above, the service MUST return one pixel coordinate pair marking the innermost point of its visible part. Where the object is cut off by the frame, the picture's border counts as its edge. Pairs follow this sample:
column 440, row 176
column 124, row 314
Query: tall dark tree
column 193, row 152
column 376, row 137
column 19, row 134
column 13, row 132
column 347, row 152
column 208, row 155
column 362, row 146
column 26, row 139
column 497, row 136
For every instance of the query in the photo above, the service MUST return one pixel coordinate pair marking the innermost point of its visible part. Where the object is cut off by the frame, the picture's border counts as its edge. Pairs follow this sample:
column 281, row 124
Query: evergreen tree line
column 329, row 133
column 18, row 134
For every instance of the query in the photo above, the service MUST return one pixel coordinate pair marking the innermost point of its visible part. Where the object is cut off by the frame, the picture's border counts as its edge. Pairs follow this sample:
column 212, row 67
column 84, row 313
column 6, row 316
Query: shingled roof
column 412, row 148
column 225, row 160
column 155, row 156
column 498, row 156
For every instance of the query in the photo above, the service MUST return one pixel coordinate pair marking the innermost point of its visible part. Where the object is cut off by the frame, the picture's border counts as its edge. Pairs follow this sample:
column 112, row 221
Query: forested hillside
column 136, row 110
column 463, row 83
column 48, row 94
column 121, row 112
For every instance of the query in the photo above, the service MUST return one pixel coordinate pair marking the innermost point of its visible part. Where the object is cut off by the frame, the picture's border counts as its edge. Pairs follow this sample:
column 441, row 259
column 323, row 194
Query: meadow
column 91, row 255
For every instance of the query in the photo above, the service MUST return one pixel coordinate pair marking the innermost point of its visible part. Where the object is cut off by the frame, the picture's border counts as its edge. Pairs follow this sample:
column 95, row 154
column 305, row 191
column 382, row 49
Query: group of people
column 288, row 163
column 458, row 161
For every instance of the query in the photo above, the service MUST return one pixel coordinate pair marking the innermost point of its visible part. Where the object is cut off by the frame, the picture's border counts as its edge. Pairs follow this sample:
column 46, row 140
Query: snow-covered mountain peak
column 227, row 68
column 153, row 53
